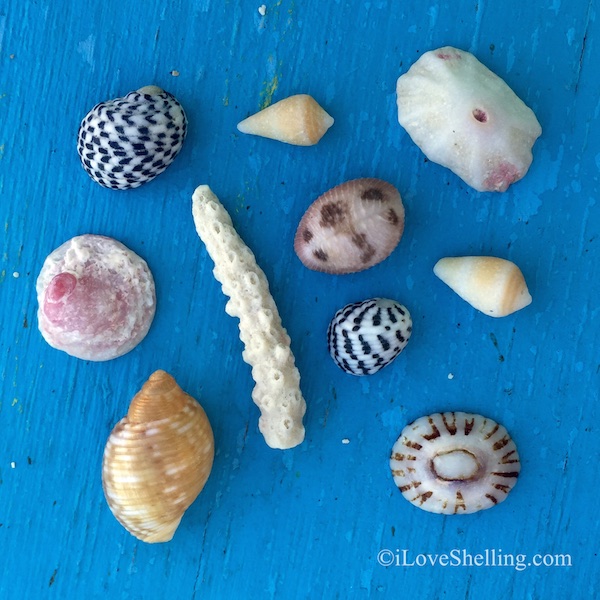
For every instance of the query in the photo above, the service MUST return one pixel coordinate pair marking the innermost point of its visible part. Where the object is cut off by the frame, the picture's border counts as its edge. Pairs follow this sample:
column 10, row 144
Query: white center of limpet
column 455, row 465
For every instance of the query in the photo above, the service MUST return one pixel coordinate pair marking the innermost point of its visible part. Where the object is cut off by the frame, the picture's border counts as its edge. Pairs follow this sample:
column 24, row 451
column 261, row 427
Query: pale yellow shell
column 157, row 459
column 494, row 286
column 297, row 120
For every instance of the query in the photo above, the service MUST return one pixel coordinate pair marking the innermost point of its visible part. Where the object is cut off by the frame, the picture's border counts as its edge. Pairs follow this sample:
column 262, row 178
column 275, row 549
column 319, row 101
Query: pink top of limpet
column 96, row 298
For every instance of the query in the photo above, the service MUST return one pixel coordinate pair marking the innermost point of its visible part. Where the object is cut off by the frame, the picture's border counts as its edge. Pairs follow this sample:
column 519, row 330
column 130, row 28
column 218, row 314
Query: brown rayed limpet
column 455, row 463
column 157, row 459
column 352, row 227
column 464, row 117
column 298, row 120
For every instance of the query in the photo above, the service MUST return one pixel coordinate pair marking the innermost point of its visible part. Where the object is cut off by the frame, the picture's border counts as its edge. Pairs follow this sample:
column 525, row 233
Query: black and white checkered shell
column 364, row 337
column 128, row 141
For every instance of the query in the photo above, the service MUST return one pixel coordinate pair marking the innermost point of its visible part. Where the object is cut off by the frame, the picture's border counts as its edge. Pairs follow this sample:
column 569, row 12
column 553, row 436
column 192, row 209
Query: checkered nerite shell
column 364, row 337
column 126, row 142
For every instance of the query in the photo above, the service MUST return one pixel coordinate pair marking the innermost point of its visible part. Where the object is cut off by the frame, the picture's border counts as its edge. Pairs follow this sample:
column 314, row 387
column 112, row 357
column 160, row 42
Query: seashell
column 157, row 459
column 351, row 227
column 464, row 117
column 455, row 463
column 96, row 298
column 296, row 120
column 126, row 142
column 364, row 337
column 494, row 286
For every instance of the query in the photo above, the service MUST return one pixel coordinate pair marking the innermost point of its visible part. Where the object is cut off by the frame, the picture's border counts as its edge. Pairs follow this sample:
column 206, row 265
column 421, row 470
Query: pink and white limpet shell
column 455, row 463
column 96, row 298
column 467, row 119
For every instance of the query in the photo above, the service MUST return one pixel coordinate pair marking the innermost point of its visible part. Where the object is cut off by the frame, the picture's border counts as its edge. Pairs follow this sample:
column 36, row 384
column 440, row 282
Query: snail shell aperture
column 157, row 459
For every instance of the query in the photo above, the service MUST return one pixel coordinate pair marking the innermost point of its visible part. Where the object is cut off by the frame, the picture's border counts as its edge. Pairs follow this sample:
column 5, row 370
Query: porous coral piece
column 466, row 118
column 267, row 344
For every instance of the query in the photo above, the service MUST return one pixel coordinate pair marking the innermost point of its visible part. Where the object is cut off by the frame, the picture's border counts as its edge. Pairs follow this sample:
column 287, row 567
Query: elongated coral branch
column 267, row 344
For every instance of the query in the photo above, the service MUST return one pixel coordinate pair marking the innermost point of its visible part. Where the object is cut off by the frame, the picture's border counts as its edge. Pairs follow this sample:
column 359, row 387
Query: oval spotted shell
column 351, row 227
column 126, row 142
column 455, row 463
column 364, row 337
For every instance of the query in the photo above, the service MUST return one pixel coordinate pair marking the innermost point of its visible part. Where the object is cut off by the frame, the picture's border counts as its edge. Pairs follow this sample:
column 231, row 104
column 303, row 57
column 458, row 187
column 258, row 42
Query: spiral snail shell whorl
column 157, row 459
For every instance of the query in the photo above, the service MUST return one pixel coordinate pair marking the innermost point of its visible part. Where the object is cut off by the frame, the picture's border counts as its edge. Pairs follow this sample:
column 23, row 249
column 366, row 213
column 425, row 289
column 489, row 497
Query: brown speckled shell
column 351, row 227
column 157, row 459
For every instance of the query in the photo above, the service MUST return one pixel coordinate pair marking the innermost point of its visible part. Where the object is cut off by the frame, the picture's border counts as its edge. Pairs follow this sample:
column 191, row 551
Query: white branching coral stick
column 267, row 344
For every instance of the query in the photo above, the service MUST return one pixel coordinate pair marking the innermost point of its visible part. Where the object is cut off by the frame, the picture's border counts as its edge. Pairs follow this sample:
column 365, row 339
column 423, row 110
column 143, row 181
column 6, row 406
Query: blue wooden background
column 308, row 522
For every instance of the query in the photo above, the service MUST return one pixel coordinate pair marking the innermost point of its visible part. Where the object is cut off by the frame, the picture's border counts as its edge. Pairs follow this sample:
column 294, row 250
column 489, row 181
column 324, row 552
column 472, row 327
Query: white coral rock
column 267, row 344
column 464, row 117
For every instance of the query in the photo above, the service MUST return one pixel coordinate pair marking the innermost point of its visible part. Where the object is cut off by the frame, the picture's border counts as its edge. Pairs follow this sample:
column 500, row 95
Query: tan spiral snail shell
column 157, row 459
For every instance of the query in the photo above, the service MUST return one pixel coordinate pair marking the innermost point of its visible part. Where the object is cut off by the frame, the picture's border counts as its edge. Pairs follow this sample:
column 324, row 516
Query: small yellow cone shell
column 157, row 459
column 494, row 286
column 297, row 120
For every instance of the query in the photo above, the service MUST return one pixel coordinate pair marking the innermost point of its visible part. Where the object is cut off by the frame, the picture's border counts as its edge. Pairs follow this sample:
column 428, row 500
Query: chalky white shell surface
column 96, row 298
column 364, row 337
column 454, row 463
column 126, row 142
column 464, row 117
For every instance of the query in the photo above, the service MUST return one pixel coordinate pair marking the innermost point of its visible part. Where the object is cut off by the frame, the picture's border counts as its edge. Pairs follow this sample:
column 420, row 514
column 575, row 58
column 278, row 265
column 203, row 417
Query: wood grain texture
column 309, row 522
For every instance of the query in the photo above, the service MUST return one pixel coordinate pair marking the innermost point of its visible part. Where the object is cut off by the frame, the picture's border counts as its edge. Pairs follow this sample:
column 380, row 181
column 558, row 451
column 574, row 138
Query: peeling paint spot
column 86, row 50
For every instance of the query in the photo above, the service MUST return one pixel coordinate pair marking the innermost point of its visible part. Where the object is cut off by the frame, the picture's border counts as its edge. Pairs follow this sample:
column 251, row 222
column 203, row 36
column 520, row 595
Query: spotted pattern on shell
column 455, row 463
column 126, row 142
column 364, row 337
column 351, row 227
column 96, row 298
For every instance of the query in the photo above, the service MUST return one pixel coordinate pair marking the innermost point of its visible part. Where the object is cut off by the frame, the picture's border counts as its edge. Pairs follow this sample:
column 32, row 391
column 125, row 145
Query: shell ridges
column 157, row 459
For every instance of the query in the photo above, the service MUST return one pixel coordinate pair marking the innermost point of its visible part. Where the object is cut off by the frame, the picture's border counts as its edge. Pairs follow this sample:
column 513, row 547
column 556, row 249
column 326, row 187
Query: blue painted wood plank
column 309, row 522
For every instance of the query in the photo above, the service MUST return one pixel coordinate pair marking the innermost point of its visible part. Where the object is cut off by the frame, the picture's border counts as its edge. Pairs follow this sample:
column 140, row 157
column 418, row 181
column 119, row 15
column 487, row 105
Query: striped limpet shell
column 126, row 142
column 455, row 463
column 363, row 337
